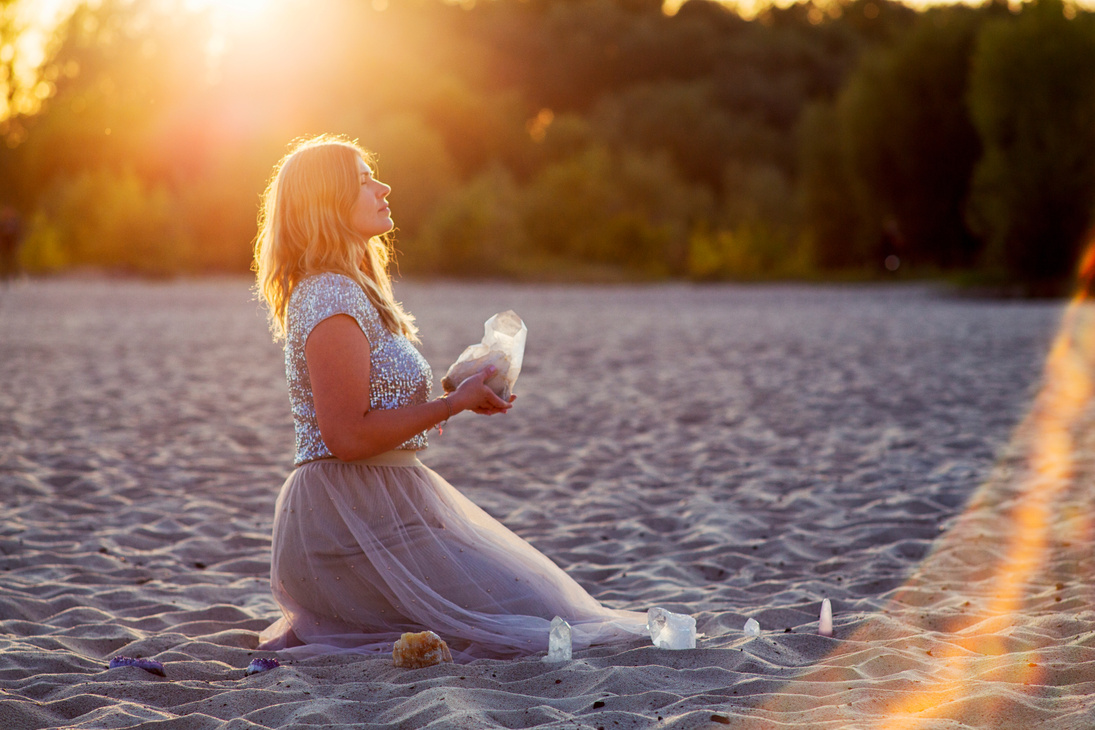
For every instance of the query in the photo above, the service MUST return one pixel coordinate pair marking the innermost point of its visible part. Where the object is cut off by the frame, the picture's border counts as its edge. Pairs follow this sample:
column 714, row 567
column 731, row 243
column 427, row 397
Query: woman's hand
column 473, row 395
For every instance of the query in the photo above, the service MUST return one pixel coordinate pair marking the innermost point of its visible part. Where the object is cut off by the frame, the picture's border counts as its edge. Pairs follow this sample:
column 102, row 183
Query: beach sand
column 925, row 462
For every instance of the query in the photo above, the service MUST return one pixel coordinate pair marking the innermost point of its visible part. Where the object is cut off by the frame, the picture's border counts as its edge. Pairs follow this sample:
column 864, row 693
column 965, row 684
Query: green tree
column 1032, row 96
column 108, row 220
column 887, row 170
column 628, row 210
column 911, row 144
column 474, row 230
column 830, row 218
column 683, row 121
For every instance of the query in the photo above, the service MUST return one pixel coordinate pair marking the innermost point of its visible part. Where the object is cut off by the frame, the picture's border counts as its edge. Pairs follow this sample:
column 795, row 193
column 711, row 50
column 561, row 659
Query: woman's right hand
column 473, row 395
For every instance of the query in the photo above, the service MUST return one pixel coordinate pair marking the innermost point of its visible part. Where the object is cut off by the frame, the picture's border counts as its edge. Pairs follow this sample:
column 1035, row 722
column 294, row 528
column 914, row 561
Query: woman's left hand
column 490, row 410
column 473, row 395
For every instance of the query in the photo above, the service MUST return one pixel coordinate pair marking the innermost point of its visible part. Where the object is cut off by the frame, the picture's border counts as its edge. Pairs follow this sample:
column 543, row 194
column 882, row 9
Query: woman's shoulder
column 322, row 295
column 326, row 283
column 331, row 287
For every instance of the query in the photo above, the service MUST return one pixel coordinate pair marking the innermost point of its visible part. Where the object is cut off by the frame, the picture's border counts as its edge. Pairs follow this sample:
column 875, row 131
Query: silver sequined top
column 400, row 375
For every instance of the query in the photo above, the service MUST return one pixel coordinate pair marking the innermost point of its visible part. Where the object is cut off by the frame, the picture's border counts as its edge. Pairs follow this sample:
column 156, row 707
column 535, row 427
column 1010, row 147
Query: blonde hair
column 305, row 228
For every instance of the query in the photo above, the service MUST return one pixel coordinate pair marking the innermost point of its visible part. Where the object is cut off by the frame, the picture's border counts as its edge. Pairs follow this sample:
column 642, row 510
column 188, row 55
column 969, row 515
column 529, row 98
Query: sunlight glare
column 32, row 25
column 233, row 11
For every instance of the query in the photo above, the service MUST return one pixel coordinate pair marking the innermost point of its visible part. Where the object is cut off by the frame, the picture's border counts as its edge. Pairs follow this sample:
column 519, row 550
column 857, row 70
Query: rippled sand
column 730, row 452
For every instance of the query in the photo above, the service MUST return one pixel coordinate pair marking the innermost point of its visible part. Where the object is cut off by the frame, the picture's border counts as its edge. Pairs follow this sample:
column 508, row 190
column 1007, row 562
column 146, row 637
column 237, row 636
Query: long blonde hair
column 305, row 228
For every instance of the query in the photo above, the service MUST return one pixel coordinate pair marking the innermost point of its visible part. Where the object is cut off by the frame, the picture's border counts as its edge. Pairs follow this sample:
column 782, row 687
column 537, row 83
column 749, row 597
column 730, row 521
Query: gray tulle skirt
column 364, row 551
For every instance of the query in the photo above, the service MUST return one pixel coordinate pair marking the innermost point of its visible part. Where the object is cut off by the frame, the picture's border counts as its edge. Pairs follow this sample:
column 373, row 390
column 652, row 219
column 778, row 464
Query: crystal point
column 559, row 646
column 752, row 628
column 825, row 622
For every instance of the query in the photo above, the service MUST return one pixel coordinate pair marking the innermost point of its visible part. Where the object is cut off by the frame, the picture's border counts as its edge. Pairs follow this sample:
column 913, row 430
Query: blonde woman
column 368, row 542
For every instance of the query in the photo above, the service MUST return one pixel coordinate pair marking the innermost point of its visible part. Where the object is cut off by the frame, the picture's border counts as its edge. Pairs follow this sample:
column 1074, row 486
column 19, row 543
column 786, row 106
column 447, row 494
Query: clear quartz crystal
column 671, row 630
column 752, row 628
column 825, row 620
column 559, row 649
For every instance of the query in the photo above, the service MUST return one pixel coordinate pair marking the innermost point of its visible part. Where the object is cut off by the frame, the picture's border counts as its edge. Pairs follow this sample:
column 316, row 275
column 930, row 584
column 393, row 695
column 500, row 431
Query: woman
column 368, row 542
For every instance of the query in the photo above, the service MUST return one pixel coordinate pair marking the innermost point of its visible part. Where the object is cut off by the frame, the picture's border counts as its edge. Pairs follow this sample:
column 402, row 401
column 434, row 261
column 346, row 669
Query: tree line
column 575, row 138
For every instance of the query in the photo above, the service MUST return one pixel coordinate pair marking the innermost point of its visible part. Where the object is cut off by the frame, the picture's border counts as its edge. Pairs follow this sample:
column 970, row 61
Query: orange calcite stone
column 423, row 649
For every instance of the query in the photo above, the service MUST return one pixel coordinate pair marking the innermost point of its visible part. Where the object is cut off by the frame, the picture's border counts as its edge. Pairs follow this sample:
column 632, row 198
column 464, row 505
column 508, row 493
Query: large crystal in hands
column 671, row 630
column 559, row 648
column 503, row 346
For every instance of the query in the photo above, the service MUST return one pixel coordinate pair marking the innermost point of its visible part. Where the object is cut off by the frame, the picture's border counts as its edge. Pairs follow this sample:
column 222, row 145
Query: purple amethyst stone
column 261, row 665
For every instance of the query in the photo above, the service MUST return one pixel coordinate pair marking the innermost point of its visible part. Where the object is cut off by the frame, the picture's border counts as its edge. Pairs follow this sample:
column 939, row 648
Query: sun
column 232, row 19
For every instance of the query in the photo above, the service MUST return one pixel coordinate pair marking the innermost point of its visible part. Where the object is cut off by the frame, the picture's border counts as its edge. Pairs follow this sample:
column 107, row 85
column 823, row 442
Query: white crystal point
column 559, row 647
column 670, row 630
column 752, row 628
column 825, row 622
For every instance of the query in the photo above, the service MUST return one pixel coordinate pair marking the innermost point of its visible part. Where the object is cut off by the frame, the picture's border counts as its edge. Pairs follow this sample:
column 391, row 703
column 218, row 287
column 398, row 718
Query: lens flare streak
column 1065, row 396
column 962, row 640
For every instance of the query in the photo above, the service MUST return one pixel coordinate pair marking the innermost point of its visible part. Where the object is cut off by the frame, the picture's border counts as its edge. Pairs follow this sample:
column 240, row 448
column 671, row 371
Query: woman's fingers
column 495, row 401
column 484, row 400
column 493, row 404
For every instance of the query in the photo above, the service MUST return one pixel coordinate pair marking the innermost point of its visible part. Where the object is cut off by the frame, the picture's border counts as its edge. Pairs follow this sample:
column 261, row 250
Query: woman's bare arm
column 337, row 352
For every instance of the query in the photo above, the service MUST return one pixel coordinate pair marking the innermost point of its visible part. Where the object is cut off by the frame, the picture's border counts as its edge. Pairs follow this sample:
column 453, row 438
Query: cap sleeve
column 319, row 297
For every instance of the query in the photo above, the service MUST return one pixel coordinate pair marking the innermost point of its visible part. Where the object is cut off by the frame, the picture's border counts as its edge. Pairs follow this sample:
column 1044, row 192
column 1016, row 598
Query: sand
column 725, row 451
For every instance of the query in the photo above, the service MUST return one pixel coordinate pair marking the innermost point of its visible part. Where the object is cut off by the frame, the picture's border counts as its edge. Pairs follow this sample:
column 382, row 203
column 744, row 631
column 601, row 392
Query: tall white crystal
column 559, row 646
column 825, row 621
column 752, row 628
column 671, row 630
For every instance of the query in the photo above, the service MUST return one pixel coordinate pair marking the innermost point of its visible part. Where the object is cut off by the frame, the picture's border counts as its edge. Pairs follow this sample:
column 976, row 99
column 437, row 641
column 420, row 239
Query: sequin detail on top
column 400, row 375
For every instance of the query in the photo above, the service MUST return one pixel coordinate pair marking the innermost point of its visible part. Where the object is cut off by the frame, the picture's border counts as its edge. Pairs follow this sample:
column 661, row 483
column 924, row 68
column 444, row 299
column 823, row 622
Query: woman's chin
column 378, row 230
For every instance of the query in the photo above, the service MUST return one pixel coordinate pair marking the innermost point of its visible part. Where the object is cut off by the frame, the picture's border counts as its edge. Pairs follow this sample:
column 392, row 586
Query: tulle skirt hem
column 363, row 553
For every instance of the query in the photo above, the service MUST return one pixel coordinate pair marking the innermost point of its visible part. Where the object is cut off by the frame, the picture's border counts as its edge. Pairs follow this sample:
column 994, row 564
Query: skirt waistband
column 397, row 457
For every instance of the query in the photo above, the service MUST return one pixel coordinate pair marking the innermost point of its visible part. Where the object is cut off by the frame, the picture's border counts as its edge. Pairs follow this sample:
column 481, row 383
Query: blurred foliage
column 968, row 146
column 905, row 148
column 475, row 230
column 530, row 138
column 629, row 210
column 1032, row 96
column 98, row 217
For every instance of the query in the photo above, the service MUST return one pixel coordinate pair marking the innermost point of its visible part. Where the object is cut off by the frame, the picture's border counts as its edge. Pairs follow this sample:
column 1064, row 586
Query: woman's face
column 371, row 216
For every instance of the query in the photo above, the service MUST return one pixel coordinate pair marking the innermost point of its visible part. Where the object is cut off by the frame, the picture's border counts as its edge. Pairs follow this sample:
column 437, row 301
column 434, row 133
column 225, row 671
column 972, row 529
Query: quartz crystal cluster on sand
column 423, row 649
column 559, row 642
column 670, row 630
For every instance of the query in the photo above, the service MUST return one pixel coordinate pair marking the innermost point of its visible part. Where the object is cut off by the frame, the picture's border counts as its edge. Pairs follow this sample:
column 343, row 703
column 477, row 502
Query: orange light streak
column 1061, row 403
column 968, row 613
